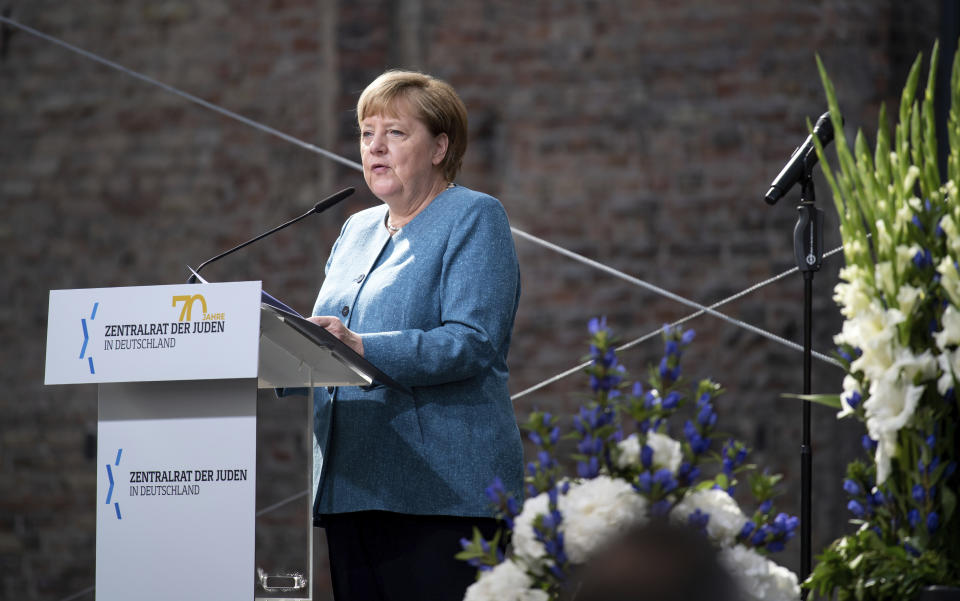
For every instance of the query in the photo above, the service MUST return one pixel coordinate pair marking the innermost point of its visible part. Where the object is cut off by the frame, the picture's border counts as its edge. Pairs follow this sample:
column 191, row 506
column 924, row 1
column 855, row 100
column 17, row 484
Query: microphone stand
column 808, row 252
column 320, row 207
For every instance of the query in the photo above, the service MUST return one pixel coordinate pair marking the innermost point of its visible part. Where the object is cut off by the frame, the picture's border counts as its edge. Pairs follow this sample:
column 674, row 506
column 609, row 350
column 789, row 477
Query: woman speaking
column 426, row 288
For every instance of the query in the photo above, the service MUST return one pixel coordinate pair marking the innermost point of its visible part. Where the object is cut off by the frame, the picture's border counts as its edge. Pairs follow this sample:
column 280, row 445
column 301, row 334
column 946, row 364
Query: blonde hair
column 435, row 102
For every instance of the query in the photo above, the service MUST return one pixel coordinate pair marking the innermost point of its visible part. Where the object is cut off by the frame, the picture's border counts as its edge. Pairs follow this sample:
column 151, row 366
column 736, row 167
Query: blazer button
column 345, row 311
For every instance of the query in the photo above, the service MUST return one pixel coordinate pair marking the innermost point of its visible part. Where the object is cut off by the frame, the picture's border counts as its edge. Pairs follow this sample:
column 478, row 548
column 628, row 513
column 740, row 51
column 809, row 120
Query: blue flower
column 698, row 520
column 660, row 508
column 589, row 469
column 707, row 417
column 853, row 399
column 687, row 473
column 855, row 508
column 918, row 493
column 687, row 337
column 851, row 487
column 665, row 479
column 759, row 537
column 923, row 258
column 597, row 325
column 747, row 529
column 775, row 546
column 766, row 506
column 637, row 389
column 671, row 348
column 671, row 401
column 916, row 222
column 646, row 456
column 933, row 521
column 644, row 482
column 869, row 444
column 913, row 518
column 535, row 438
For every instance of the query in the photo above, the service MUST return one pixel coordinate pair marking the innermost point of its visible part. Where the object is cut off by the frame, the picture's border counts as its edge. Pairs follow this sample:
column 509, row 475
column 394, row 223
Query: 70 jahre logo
column 160, row 335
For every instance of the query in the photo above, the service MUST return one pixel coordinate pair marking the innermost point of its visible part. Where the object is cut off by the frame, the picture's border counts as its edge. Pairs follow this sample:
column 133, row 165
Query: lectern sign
column 153, row 333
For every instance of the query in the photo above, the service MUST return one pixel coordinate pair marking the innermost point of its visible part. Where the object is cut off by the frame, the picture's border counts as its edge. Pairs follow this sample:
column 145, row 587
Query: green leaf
column 827, row 400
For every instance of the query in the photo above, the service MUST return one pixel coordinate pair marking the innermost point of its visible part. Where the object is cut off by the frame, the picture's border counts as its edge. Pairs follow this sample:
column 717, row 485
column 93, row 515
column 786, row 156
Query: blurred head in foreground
column 655, row 562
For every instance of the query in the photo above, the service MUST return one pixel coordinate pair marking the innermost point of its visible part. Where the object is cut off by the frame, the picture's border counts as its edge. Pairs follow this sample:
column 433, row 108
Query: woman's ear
column 441, row 143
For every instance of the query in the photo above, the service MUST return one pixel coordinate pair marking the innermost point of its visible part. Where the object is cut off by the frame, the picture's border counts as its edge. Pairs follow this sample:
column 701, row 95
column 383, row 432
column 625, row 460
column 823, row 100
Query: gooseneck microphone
column 320, row 207
column 804, row 157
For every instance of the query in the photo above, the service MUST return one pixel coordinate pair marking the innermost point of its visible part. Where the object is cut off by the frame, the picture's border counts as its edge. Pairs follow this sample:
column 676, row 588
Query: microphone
column 804, row 157
column 320, row 207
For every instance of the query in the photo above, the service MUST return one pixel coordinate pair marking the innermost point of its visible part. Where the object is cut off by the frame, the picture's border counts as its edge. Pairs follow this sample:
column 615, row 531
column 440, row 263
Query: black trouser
column 382, row 556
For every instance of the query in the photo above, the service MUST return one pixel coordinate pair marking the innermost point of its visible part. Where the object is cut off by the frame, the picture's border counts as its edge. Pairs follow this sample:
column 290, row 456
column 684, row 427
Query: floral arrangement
column 900, row 297
column 625, row 479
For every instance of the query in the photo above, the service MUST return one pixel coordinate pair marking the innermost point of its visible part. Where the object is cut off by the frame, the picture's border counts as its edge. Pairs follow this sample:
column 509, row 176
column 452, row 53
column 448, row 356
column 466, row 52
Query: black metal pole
column 808, row 252
column 806, row 451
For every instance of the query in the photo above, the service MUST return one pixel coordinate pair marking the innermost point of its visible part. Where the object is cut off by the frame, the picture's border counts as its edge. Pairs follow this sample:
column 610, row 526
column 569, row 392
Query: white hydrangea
column 667, row 452
column 628, row 452
column 726, row 518
column 593, row 513
column 596, row 511
column 759, row 578
column 525, row 544
column 506, row 582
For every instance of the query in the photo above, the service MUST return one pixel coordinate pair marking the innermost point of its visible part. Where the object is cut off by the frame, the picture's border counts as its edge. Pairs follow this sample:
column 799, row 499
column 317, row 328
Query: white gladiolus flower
column 853, row 295
column 911, row 178
column 950, row 365
column 949, row 227
column 873, row 332
column 885, row 280
column 908, row 298
column 951, row 328
column 905, row 256
column 505, row 582
column 758, row 577
column 902, row 218
column 726, row 519
column 891, row 404
column 950, row 279
column 850, row 386
column 884, row 241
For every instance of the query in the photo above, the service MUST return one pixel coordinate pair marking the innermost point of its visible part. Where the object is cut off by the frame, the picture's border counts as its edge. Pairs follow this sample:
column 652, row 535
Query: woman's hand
column 344, row 334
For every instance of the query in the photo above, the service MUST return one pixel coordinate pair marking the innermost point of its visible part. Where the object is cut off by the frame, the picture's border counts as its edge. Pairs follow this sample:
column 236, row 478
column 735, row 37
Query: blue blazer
column 435, row 305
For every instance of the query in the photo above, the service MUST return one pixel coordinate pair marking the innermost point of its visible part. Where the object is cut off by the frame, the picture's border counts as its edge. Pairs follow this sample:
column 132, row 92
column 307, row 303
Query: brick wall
column 640, row 134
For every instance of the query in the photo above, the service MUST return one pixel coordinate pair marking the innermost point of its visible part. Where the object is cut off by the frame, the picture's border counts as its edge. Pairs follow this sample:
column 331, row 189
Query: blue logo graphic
column 86, row 337
column 116, row 504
